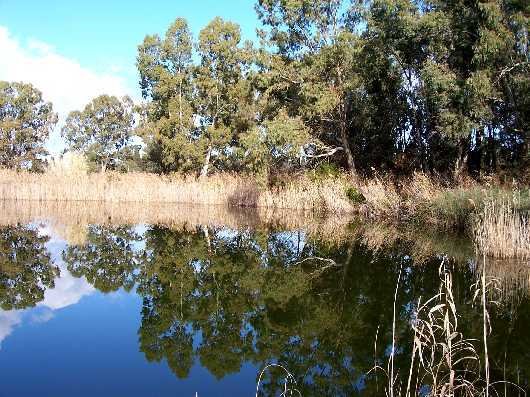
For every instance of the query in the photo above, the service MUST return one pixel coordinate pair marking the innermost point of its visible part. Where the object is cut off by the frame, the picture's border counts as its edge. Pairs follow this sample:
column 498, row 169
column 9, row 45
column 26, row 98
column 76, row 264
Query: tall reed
column 443, row 360
column 300, row 193
column 501, row 231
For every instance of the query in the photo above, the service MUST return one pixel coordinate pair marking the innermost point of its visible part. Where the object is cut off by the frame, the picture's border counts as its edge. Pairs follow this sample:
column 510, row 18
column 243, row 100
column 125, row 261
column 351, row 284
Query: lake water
column 179, row 301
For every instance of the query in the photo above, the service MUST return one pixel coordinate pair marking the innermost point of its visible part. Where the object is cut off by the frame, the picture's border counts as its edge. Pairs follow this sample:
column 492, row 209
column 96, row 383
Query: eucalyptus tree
column 166, row 69
column 26, row 121
column 102, row 131
column 312, row 71
column 280, row 142
column 463, row 68
column 224, row 90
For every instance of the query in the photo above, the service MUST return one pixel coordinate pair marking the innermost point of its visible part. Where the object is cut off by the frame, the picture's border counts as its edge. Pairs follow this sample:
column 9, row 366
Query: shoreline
column 496, row 217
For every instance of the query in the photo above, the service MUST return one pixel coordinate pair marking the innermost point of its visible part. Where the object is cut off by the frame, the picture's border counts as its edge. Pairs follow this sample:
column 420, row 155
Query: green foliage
column 196, row 110
column 387, row 85
column 102, row 131
column 277, row 143
column 355, row 195
column 26, row 121
column 457, row 208
column 165, row 67
column 372, row 87
column 327, row 171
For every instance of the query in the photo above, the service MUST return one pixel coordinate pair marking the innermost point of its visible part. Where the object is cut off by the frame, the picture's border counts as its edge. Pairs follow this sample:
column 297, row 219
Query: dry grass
column 223, row 189
column 73, row 164
column 512, row 280
column 382, row 198
column 420, row 200
column 502, row 232
column 443, row 358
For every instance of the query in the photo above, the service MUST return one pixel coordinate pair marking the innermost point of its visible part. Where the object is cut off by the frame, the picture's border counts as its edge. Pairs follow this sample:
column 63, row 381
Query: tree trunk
column 343, row 125
column 348, row 153
column 461, row 159
column 206, row 165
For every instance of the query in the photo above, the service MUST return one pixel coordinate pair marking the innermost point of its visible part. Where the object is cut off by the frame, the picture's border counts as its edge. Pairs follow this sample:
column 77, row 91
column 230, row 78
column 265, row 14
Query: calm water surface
column 108, row 309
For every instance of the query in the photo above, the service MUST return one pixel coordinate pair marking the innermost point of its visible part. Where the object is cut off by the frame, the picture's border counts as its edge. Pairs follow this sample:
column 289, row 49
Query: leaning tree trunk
column 206, row 165
column 348, row 153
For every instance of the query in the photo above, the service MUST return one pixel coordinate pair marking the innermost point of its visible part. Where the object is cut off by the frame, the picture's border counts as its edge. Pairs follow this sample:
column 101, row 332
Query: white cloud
column 8, row 321
column 68, row 291
column 63, row 81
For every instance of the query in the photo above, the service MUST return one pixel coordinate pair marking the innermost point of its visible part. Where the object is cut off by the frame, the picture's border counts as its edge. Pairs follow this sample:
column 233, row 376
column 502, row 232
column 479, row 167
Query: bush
column 326, row 171
column 355, row 196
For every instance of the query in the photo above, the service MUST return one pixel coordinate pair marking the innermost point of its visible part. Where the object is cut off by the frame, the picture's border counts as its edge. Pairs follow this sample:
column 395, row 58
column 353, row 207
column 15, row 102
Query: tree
column 281, row 141
column 223, row 88
column 102, row 131
column 166, row 68
column 26, row 121
column 383, row 85
column 313, row 69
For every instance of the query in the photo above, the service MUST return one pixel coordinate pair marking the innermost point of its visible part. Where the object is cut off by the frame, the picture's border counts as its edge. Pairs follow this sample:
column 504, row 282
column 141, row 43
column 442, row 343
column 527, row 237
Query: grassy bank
column 497, row 217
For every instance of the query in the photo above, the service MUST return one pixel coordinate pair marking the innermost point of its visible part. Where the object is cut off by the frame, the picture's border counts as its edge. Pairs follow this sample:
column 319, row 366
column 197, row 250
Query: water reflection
column 26, row 269
column 223, row 297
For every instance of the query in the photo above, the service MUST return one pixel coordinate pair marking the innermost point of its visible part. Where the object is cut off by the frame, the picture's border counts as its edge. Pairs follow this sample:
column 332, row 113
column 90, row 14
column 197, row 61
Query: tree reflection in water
column 26, row 270
column 223, row 297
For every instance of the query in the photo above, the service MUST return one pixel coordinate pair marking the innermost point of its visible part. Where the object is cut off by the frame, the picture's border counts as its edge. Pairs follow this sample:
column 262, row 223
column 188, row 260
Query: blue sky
column 73, row 50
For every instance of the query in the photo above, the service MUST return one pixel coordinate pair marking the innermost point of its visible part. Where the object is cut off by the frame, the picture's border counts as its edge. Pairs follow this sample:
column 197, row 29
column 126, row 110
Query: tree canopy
column 386, row 85
column 102, row 131
column 26, row 121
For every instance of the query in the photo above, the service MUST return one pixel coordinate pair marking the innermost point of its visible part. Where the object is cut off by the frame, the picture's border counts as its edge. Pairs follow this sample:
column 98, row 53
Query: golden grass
column 502, row 232
column 382, row 198
column 512, row 280
column 69, row 164
column 420, row 200
column 301, row 193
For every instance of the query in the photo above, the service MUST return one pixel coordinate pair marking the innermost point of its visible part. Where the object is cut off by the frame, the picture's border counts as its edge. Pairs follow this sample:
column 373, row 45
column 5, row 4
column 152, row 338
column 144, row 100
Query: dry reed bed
column 421, row 200
column 502, row 232
column 222, row 189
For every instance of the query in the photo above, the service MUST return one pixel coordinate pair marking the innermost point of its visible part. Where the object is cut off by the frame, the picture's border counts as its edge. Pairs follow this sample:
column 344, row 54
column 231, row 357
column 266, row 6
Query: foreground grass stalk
column 485, row 322
column 443, row 359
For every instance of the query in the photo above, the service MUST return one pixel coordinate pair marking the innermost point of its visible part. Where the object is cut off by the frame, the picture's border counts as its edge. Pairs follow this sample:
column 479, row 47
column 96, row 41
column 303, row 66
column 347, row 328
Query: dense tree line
column 383, row 85
column 387, row 85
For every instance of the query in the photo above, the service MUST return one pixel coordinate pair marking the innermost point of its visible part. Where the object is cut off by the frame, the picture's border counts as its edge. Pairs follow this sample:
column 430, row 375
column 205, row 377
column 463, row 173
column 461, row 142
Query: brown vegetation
column 70, row 219
column 502, row 232
column 222, row 189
